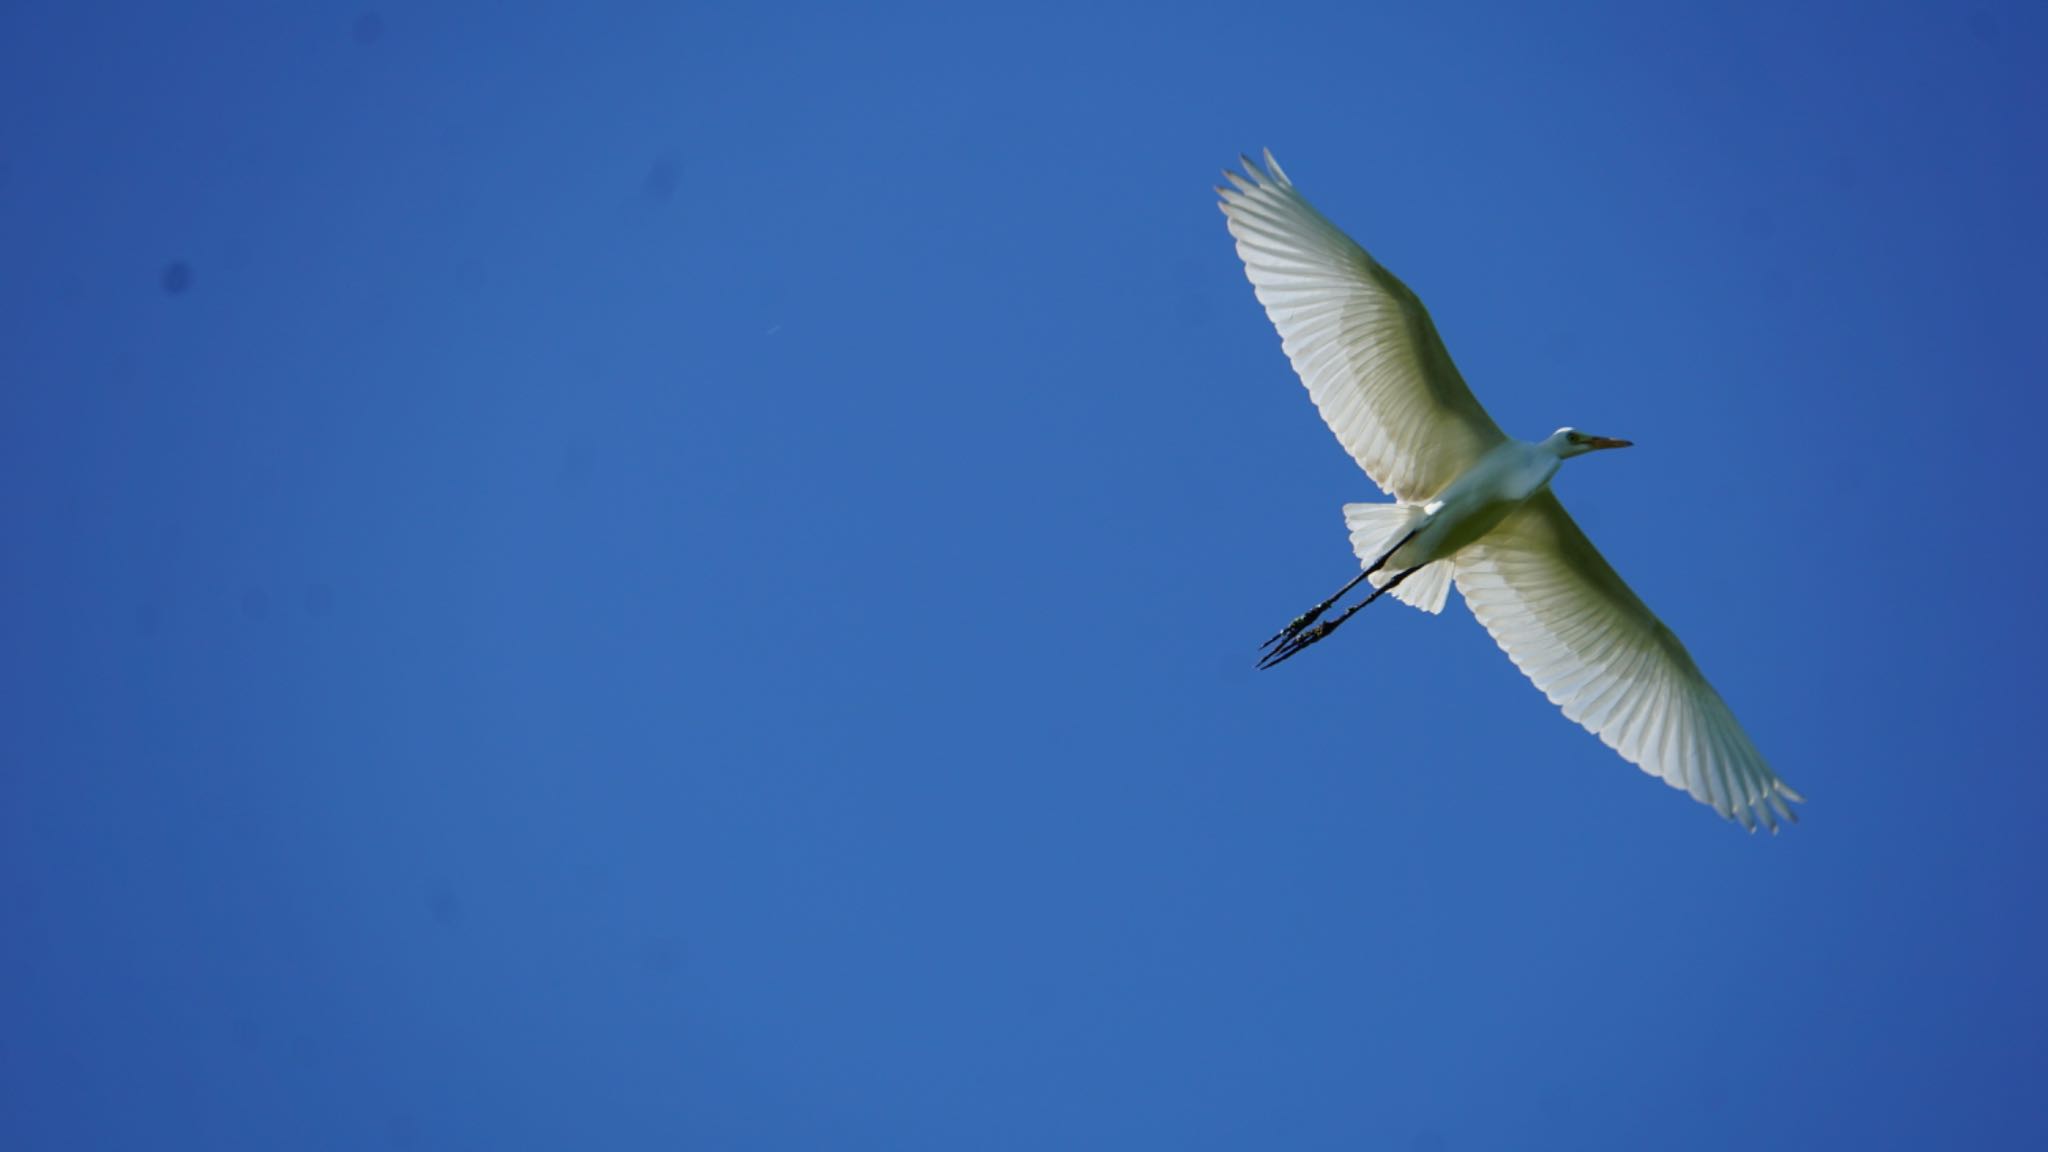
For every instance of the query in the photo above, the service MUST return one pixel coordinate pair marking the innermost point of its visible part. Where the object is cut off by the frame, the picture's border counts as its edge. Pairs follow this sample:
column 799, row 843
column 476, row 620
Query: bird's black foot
column 1299, row 639
column 1299, row 635
column 1283, row 636
column 1286, row 636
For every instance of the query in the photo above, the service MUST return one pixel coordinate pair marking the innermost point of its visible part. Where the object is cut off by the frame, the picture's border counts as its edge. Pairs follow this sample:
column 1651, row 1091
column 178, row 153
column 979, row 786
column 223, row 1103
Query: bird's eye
column 1575, row 438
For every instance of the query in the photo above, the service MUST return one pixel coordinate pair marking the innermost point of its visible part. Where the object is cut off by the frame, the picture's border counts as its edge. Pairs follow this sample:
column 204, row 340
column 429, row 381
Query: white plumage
column 1475, row 506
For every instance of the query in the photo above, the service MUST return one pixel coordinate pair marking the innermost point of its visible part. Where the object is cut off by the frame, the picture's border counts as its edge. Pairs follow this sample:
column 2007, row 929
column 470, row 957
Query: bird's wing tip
column 1268, row 174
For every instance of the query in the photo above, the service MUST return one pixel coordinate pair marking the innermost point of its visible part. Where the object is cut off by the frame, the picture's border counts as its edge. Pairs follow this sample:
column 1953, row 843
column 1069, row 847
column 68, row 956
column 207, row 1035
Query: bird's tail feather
column 1376, row 529
column 1427, row 589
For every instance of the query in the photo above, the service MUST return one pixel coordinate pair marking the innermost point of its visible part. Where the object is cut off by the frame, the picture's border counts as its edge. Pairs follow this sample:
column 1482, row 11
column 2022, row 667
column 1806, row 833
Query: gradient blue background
column 686, row 577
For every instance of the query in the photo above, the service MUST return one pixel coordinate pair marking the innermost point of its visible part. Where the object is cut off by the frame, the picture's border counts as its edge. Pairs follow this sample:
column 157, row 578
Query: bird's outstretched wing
column 1359, row 339
column 1560, row 612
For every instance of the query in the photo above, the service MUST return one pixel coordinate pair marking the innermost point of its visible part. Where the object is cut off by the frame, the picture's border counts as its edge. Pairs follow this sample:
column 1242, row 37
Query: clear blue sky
column 686, row 576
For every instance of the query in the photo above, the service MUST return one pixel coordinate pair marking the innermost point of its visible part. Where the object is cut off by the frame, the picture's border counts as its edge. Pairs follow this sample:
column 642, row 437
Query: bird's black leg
column 1310, row 636
column 1286, row 635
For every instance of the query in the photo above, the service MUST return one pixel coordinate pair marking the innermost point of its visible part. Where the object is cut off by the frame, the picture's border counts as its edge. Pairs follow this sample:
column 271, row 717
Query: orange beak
column 1608, row 442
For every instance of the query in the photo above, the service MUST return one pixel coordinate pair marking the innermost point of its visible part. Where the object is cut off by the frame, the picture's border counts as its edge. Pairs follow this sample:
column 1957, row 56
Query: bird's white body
column 1479, row 499
column 1474, row 507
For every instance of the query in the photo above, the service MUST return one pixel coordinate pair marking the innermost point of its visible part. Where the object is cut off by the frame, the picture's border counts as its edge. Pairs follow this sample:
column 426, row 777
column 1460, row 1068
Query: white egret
column 1474, row 507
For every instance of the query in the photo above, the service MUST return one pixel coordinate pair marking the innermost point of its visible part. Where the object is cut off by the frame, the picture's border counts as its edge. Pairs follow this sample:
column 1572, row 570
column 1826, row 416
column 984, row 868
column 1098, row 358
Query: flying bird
column 1473, row 507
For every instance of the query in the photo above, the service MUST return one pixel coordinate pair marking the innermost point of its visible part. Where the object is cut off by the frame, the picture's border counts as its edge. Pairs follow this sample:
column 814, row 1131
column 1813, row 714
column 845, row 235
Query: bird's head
column 1570, row 442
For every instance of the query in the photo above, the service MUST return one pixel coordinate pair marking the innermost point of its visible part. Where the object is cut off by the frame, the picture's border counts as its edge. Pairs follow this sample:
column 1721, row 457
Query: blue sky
column 671, row 576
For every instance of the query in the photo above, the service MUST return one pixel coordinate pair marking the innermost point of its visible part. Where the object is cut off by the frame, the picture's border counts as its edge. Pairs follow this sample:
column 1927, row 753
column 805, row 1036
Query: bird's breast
column 1475, row 502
